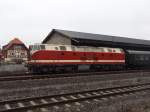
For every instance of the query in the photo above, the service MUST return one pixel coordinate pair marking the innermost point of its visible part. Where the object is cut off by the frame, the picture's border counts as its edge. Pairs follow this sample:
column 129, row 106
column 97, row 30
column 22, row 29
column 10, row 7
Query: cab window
column 35, row 47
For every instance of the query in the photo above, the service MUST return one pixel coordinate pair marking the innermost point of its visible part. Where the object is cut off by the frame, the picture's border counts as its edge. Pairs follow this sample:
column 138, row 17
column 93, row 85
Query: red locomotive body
column 50, row 57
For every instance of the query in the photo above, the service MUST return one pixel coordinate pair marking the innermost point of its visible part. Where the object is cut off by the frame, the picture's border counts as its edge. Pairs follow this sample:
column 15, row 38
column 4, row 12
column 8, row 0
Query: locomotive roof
column 99, row 37
column 72, row 46
column 75, row 48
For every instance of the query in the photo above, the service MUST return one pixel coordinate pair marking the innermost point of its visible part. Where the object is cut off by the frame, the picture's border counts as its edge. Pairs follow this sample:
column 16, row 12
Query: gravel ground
column 20, row 84
column 12, row 68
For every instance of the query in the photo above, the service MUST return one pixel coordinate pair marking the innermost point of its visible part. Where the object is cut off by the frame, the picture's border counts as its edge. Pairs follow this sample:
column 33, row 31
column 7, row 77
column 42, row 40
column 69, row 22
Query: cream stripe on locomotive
column 50, row 61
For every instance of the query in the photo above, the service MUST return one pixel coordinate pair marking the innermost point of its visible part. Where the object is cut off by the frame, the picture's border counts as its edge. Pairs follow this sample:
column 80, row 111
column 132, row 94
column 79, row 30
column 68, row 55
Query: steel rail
column 62, row 99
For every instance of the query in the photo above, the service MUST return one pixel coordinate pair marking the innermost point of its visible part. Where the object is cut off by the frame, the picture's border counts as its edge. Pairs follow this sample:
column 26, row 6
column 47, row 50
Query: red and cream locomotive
column 50, row 58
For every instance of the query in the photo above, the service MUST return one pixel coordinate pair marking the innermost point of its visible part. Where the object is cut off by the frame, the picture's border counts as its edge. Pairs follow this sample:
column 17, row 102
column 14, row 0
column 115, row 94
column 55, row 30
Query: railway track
column 69, row 99
column 28, row 76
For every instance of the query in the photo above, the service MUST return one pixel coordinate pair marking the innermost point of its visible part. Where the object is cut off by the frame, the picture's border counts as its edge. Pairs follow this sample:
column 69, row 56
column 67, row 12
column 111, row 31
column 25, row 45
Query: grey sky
column 32, row 20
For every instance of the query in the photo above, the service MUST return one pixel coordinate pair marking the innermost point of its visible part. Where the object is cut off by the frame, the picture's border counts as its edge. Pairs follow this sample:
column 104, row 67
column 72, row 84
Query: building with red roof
column 15, row 51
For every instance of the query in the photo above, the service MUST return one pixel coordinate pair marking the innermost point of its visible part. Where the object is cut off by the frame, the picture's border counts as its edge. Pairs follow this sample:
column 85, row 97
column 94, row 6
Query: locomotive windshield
column 37, row 47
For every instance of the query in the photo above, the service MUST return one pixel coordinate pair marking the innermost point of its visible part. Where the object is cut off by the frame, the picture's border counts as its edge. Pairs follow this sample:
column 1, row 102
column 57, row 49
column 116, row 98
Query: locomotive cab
column 34, row 48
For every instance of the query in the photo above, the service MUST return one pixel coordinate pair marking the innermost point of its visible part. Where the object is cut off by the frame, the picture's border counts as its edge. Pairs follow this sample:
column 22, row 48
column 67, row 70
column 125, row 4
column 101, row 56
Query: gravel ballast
column 41, row 90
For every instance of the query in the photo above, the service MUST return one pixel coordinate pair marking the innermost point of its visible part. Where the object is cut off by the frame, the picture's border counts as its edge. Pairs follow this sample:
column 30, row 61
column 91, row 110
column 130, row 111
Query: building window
column 22, row 53
column 17, row 47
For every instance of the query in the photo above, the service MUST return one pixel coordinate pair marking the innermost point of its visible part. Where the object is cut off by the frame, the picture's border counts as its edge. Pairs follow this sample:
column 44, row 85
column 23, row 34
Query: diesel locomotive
column 45, row 58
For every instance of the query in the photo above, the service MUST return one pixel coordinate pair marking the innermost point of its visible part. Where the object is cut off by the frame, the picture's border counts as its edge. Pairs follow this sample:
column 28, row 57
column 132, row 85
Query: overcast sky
column 32, row 20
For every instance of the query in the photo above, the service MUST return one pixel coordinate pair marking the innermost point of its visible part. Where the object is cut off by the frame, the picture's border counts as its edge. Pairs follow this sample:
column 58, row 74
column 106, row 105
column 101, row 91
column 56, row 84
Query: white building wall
column 59, row 39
